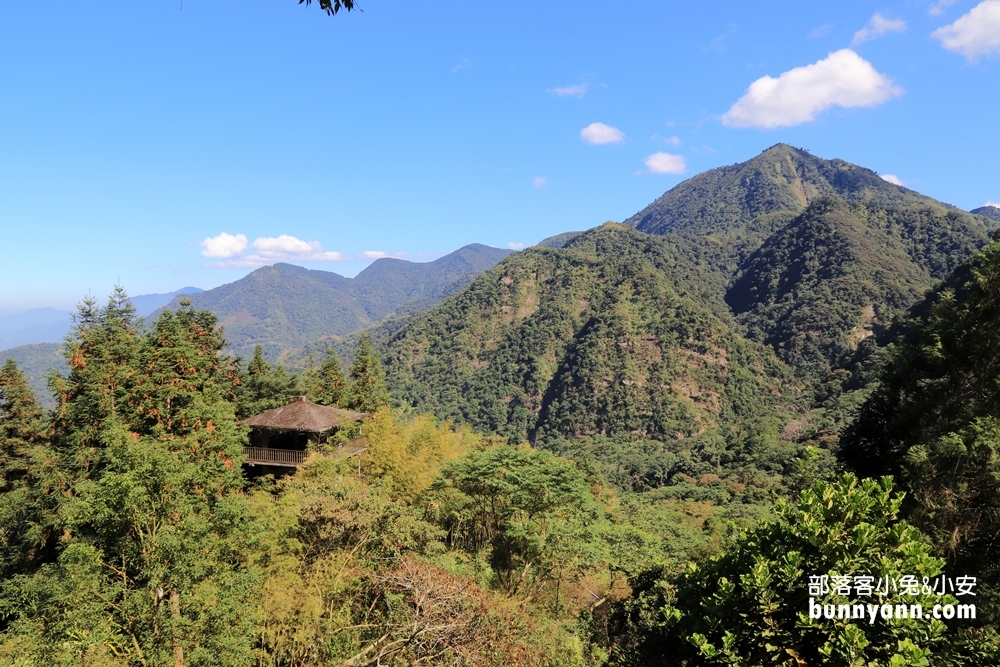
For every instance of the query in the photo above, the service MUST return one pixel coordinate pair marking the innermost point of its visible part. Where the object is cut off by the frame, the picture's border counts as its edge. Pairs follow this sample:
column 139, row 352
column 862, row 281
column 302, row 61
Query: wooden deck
column 293, row 458
column 263, row 456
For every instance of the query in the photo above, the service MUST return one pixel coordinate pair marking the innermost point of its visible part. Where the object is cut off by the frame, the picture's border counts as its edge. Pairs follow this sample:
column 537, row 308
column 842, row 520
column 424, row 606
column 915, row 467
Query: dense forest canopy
column 616, row 448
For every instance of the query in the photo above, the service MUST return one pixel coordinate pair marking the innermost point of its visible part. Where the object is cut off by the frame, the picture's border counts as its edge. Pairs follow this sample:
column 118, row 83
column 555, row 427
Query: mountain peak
column 764, row 191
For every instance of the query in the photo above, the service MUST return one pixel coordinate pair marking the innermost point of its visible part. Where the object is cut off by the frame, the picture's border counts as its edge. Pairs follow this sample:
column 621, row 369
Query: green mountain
column 751, row 199
column 618, row 333
column 284, row 307
column 819, row 253
column 840, row 272
column 36, row 361
column 934, row 419
column 991, row 212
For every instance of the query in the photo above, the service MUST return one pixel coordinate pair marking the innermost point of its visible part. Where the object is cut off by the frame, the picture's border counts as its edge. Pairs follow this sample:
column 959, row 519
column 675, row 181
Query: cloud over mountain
column 666, row 163
column 842, row 79
column 266, row 250
column 223, row 245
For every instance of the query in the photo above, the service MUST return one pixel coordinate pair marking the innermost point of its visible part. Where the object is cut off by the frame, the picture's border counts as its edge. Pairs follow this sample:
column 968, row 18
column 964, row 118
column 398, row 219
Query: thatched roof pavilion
column 305, row 417
column 280, row 437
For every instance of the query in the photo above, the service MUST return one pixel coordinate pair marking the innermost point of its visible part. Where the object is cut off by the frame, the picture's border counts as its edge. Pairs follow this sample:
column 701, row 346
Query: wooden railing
column 289, row 458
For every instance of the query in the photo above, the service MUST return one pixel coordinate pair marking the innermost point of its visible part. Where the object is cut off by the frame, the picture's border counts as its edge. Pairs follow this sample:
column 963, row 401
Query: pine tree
column 263, row 388
column 151, row 564
column 102, row 350
column 328, row 386
column 26, row 531
column 368, row 389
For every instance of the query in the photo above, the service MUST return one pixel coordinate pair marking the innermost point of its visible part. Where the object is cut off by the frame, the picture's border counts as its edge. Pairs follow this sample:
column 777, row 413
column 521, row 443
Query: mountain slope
column 819, row 253
column 934, row 419
column 283, row 307
column 36, row 361
column 606, row 336
column 991, row 212
column 839, row 272
column 775, row 185
column 388, row 284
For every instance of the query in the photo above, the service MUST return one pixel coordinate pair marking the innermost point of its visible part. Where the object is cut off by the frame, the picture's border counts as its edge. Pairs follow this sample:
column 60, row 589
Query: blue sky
column 133, row 135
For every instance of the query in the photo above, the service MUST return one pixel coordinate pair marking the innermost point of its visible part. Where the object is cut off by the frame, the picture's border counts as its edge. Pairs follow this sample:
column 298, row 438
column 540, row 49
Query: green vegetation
column 368, row 392
column 841, row 272
column 991, row 212
column 932, row 422
column 284, row 307
column 37, row 362
column 751, row 606
column 614, row 448
column 558, row 342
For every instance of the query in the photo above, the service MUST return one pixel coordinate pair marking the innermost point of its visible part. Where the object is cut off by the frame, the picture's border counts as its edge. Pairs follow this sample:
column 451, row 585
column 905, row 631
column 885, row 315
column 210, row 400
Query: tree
column 368, row 389
column 263, row 388
column 331, row 7
column 328, row 385
column 752, row 605
column 151, row 563
column 529, row 510
column 27, row 534
column 932, row 421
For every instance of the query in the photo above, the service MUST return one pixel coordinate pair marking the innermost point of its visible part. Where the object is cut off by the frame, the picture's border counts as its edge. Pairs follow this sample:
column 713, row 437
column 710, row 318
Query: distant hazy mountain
column 283, row 307
column 36, row 361
column 39, row 325
column 50, row 325
column 991, row 212
column 147, row 303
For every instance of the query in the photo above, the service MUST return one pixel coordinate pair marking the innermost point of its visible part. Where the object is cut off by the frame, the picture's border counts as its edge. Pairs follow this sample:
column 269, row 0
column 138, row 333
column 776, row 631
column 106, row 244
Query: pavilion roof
column 303, row 415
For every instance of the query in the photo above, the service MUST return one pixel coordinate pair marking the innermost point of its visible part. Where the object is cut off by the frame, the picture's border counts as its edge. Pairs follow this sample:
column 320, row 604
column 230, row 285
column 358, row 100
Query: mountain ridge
column 284, row 306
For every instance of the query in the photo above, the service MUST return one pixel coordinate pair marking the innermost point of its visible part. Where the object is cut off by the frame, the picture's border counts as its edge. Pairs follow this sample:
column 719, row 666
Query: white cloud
column 463, row 63
column 666, row 163
column 223, row 245
column 284, row 245
column 938, row 7
column 842, row 79
column 540, row 182
column 269, row 250
column 517, row 246
column 577, row 90
column 892, row 178
column 673, row 141
column 599, row 133
column 878, row 25
column 994, row 204
column 975, row 34
column 374, row 254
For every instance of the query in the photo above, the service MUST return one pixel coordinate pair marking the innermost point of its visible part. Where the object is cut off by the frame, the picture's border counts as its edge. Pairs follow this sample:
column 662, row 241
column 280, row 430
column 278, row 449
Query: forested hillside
column 283, row 307
column 991, row 212
column 840, row 272
column 37, row 361
column 819, row 254
column 933, row 421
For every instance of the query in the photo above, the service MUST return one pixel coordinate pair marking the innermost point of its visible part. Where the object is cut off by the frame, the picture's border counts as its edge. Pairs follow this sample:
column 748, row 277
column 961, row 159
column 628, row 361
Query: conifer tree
column 368, row 389
column 264, row 388
column 151, row 565
column 101, row 350
column 328, row 386
column 26, row 531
